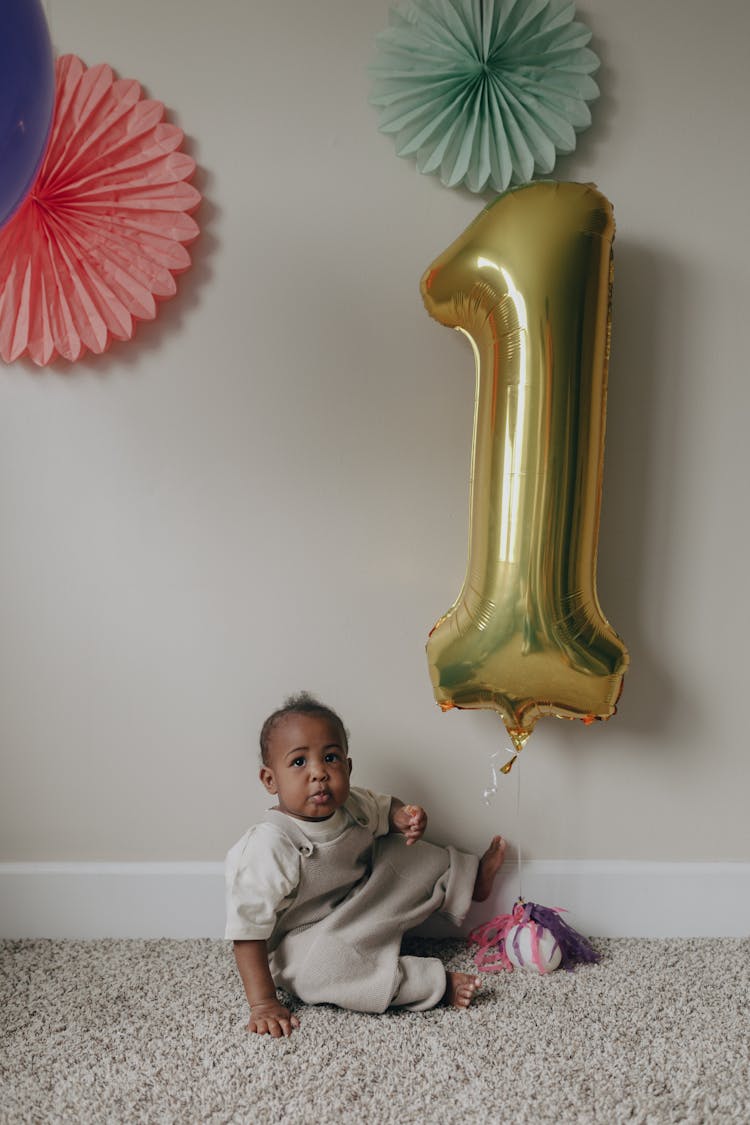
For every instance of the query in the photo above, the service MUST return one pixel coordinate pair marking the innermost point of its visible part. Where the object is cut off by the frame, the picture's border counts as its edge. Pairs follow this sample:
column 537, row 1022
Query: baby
column 321, row 892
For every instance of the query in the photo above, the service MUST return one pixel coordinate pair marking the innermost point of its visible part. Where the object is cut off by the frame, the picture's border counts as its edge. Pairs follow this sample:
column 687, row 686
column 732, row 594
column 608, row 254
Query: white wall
column 267, row 490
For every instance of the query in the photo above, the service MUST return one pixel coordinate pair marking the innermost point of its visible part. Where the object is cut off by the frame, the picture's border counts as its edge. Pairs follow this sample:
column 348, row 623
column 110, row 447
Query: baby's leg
column 424, row 982
column 489, row 865
column 421, row 983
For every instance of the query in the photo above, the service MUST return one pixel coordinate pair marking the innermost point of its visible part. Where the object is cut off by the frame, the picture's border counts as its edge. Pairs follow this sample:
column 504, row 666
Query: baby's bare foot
column 460, row 989
column 489, row 865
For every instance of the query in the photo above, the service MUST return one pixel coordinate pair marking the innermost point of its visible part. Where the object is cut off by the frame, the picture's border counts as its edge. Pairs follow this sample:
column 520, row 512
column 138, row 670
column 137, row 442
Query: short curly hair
column 303, row 703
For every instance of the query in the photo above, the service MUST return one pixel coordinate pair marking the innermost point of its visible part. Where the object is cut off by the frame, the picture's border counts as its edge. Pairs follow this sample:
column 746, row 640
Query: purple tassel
column 574, row 947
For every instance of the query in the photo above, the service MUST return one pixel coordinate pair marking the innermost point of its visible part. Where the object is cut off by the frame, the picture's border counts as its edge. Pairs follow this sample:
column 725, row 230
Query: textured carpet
column 153, row 1032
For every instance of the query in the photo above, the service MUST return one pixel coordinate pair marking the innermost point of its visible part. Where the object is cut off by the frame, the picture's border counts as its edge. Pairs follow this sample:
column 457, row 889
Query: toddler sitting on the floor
column 321, row 892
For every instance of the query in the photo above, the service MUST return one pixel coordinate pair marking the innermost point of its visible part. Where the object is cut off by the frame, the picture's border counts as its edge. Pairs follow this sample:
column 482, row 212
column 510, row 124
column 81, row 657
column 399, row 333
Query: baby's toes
column 467, row 990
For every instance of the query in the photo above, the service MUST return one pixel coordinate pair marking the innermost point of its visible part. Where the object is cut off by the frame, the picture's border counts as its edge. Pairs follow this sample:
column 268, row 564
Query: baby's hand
column 412, row 821
column 270, row 1017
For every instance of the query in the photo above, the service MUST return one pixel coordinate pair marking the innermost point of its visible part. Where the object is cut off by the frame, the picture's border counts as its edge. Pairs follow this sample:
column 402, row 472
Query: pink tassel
column 491, row 956
column 535, row 956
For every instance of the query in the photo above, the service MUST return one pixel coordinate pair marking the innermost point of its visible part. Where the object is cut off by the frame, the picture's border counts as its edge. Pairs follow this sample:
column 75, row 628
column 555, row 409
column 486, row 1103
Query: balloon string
column 519, row 857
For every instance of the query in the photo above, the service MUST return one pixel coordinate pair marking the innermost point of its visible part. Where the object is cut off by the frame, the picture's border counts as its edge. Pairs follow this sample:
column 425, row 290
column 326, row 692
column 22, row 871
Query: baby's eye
column 298, row 762
column 333, row 757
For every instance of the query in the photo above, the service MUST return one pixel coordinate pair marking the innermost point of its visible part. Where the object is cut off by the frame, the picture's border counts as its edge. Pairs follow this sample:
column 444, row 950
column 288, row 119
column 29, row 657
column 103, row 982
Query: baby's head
column 305, row 755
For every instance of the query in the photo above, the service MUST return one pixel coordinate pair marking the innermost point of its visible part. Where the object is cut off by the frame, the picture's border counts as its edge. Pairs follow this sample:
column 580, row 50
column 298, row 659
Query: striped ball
column 531, row 946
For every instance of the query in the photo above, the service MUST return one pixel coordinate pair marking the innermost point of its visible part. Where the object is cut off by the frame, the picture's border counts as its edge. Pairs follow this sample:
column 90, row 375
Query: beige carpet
column 152, row 1032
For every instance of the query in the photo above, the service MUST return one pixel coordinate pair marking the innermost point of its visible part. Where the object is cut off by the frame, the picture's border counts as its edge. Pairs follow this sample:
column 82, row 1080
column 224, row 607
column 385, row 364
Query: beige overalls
column 340, row 940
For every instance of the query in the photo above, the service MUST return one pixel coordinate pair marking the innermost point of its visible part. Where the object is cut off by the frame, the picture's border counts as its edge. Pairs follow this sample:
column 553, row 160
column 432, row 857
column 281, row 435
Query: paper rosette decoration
column 484, row 92
column 102, row 233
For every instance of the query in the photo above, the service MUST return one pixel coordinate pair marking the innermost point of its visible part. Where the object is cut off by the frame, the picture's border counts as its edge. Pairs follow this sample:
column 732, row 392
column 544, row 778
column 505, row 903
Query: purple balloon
column 27, row 99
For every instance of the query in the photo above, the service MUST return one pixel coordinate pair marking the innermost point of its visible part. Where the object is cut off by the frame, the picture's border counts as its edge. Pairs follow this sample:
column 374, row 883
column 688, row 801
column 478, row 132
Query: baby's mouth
column 322, row 797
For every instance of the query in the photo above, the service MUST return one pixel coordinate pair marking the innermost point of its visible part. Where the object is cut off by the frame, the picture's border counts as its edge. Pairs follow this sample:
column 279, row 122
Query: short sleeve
column 261, row 874
column 372, row 810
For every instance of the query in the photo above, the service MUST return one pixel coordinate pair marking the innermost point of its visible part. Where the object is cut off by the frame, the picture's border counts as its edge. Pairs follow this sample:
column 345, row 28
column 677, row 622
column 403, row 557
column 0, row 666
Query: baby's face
column 308, row 767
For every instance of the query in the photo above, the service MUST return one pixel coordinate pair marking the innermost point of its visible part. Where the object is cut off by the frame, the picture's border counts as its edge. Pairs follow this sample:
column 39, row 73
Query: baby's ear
column 267, row 778
column 349, row 763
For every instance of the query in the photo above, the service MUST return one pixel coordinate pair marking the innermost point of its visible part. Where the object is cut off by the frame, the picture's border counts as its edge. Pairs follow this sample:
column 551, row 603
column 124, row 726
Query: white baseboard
column 624, row 898
column 111, row 900
column 186, row 900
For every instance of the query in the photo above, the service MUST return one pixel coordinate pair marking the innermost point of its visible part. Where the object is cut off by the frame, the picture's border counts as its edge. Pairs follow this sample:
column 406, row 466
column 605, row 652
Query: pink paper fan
column 102, row 233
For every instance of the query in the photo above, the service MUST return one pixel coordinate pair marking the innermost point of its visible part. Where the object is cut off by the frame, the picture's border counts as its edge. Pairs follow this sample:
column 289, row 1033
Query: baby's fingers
column 276, row 1028
column 285, row 1026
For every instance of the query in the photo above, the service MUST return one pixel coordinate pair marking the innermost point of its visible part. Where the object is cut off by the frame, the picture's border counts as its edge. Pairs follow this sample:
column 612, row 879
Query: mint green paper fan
column 484, row 92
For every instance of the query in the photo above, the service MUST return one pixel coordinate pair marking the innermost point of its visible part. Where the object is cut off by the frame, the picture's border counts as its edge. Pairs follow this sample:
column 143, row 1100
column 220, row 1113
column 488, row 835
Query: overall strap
column 287, row 825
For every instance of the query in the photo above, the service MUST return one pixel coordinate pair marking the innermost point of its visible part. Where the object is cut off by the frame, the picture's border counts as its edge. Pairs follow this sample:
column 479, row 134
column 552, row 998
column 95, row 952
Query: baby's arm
column 410, row 820
column 267, row 1014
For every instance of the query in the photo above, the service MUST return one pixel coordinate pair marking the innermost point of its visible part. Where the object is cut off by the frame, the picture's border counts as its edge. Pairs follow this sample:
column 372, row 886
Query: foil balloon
column 529, row 284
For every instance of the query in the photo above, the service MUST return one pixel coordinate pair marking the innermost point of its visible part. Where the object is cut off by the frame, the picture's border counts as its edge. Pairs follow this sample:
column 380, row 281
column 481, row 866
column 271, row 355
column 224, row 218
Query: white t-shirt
column 262, row 870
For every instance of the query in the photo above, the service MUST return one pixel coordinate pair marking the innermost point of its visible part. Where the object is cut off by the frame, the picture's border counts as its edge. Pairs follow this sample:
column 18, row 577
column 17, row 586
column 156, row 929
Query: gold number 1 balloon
column 529, row 284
